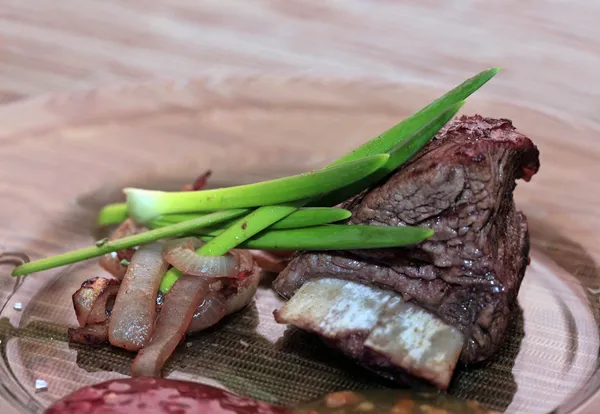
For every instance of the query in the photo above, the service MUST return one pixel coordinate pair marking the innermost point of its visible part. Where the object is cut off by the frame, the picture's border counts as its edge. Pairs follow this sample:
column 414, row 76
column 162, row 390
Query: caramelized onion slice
column 177, row 311
column 112, row 262
column 181, row 254
column 85, row 298
column 134, row 312
column 228, row 296
column 93, row 334
column 103, row 305
column 212, row 309
column 194, row 304
column 268, row 261
column 247, row 282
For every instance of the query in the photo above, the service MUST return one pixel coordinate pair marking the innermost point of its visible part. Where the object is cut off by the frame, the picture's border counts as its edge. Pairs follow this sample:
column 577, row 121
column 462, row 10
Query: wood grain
column 550, row 49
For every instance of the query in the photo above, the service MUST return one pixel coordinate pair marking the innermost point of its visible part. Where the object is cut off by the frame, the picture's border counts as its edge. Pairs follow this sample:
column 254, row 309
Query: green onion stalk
column 304, row 217
column 102, row 247
column 265, row 204
column 428, row 121
column 145, row 205
column 112, row 214
column 265, row 216
column 336, row 237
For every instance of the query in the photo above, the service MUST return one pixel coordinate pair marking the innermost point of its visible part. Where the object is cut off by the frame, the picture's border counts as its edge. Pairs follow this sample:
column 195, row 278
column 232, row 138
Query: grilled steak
column 468, row 275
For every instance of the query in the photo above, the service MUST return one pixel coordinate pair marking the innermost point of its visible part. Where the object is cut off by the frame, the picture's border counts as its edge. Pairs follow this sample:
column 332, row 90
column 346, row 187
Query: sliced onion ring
column 181, row 254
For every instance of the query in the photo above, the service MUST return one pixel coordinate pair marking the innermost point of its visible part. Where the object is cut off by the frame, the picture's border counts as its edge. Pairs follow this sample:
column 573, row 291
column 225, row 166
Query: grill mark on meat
column 469, row 273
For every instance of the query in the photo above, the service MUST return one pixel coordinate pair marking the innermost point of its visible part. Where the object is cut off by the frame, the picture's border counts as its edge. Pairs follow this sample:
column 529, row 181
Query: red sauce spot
column 243, row 274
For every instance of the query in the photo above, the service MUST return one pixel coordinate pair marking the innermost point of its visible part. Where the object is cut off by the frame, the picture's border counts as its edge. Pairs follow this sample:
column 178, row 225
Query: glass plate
column 67, row 155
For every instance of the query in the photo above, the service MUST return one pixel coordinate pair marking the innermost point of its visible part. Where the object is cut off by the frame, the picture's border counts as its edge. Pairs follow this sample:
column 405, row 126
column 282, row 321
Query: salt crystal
column 18, row 306
column 41, row 385
column 244, row 343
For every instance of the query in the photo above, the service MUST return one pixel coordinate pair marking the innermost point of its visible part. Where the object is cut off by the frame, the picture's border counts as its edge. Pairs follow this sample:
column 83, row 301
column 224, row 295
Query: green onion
column 278, row 199
column 413, row 144
column 169, row 280
column 243, row 229
column 427, row 119
column 391, row 138
column 168, row 219
column 337, row 237
column 112, row 214
column 328, row 237
column 398, row 156
column 437, row 111
column 246, row 227
column 263, row 217
column 126, row 242
column 383, row 143
column 304, row 217
column 144, row 205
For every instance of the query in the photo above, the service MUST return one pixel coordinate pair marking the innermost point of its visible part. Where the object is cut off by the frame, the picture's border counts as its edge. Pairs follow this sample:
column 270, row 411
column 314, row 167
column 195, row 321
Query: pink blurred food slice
column 376, row 328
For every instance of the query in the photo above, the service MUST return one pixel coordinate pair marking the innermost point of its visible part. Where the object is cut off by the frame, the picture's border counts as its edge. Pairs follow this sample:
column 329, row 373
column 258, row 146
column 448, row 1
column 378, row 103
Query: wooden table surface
column 549, row 50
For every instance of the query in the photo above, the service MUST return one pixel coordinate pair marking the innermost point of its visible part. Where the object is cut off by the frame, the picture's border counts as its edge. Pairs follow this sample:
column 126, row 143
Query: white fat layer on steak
column 417, row 341
column 331, row 306
column 406, row 335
